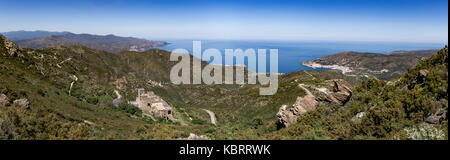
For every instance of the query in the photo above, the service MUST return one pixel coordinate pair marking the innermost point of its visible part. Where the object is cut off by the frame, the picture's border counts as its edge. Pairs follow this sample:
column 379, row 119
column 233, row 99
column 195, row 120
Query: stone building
column 150, row 102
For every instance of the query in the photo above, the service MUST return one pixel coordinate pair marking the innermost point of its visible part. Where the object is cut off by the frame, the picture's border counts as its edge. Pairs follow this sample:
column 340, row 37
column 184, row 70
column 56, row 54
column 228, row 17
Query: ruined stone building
column 150, row 102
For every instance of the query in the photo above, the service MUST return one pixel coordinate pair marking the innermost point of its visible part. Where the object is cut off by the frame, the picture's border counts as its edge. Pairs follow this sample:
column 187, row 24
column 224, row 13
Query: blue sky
column 336, row 20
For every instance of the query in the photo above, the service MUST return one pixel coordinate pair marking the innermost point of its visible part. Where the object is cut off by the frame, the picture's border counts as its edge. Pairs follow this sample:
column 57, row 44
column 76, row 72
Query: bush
column 198, row 121
column 128, row 108
column 382, row 122
column 6, row 131
column 92, row 100
column 19, row 123
column 41, row 92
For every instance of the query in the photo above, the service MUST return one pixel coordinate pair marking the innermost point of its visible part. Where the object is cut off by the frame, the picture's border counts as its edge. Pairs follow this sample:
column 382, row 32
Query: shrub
column 92, row 100
column 128, row 108
column 6, row 131
column 198, row 121
column 381, row 122
column 41, row 92
column 427, row 132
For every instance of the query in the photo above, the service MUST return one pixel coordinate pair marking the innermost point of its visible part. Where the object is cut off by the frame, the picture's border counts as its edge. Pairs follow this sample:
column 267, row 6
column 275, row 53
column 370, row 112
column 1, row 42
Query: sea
column 292, row 53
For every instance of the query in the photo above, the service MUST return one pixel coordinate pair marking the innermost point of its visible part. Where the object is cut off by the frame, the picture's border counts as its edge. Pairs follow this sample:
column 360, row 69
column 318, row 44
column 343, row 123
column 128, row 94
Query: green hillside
column 43, row 77
column 412, row 107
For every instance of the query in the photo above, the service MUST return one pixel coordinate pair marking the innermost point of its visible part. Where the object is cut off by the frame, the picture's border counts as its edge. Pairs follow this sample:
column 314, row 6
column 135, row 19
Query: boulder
column 358, row 116
column 22, row 103
column 307, row 103
column 286, row 117
column 4, row 100
column 89, row 122
column 341, row 92
column 193, row 136
column 423, row 72
column 437, row 117
column 289, row 115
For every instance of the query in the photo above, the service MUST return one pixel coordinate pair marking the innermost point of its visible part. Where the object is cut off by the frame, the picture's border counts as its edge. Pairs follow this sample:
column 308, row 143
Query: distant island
column 108, row 43
column 365, row 65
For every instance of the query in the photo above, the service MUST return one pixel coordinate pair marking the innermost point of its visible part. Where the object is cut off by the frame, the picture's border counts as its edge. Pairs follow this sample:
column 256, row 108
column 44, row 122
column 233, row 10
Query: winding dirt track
column 307, row 91
column 212, row 115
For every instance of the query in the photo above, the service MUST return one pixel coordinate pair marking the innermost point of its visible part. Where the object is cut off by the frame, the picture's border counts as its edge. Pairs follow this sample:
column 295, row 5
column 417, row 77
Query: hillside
column 415, row 106
column 109, row 43
column 365, row 65
column 415, row 52
column 43, row 77
column 36, row 76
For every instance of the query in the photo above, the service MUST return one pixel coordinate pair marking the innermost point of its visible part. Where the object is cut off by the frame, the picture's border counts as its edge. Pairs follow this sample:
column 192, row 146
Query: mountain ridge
column 109, row 43
column 25, row 35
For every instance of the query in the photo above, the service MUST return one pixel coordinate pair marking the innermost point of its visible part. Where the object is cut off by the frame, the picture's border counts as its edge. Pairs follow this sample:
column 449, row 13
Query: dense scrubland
column 413, row 106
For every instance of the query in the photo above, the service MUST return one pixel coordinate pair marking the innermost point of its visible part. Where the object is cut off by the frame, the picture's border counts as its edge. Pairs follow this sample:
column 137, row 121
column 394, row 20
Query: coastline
column 315, row 65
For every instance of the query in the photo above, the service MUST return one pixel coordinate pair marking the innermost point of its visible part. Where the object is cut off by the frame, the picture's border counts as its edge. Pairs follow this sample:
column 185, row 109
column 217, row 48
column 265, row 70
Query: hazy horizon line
column 241, row 39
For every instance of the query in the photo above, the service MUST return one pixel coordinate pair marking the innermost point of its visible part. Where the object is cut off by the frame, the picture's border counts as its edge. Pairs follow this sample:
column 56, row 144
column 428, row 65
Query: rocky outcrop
column 89, row 122
column 423, row 72
column 193, row 136
column 341, row 92
column 289, row 115
column 22, row 103
column 358, row 116
column 4, row 100
column 437, row 117
column 11, row 48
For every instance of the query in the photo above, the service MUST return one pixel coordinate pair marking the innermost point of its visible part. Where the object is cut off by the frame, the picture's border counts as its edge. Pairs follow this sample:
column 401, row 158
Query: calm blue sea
column 292, row 53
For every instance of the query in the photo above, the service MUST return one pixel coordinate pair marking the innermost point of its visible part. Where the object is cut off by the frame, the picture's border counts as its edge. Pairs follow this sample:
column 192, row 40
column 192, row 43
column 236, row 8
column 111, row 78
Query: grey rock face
column 437, row 117
column 341, row 92
column 193, row 136
column 289, row 115
column 11, row 48
column 22, row 103
column 4, row 100
column 423, row 72
column 358, row 116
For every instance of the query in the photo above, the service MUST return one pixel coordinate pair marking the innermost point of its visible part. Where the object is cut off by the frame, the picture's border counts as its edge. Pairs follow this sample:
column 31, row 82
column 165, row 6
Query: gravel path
column 71, row 84
column 307, row 91
column 118, row 99
column 212, row 115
